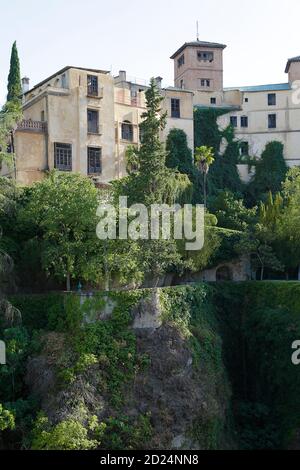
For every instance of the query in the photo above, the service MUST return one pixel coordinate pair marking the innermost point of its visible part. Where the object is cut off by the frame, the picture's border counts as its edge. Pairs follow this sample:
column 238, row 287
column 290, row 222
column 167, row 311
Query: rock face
column 147, row 314
column 173, row 391
column 186, row 396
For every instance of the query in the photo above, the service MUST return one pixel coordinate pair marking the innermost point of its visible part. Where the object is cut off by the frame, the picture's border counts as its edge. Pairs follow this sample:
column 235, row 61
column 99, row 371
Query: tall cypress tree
column 14, row 78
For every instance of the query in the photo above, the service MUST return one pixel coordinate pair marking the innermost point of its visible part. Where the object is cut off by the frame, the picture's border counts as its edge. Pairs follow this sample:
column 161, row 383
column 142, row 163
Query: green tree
column 69, row 434
column 180, row 157
column 62, row 212
column 7, row 419
column 14, row 87
column 270, row 172
column 204, row 158
column 288, row 223
column 150, row 181
column 231, row 212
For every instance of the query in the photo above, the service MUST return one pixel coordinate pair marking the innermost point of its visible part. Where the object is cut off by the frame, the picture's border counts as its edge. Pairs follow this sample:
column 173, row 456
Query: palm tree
column 204, row 158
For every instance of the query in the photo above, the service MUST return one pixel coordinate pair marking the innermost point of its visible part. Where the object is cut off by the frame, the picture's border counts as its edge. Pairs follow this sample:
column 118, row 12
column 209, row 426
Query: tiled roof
column 212, row 45
column 272, row 87
column 290, row 61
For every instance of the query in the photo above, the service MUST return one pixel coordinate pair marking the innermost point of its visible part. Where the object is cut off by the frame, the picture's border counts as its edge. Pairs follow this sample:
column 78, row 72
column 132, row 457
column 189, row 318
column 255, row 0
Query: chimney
column 158, row 82
column 122, row 75
column 25, row 84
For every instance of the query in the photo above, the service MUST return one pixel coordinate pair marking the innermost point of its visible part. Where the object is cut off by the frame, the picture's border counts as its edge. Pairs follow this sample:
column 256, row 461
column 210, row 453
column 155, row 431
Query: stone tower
column 198, row 65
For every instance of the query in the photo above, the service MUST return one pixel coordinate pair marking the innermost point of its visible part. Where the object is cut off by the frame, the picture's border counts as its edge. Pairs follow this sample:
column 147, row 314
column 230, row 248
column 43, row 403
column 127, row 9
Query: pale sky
column 139, row 36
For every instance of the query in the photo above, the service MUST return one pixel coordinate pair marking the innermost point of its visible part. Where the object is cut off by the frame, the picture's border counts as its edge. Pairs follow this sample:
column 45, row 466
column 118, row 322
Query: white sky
column 140, row 36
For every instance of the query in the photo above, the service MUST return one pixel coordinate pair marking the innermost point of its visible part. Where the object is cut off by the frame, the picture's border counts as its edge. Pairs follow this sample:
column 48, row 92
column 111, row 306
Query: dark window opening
column 42, row 116
column 175, row 108
column 93, row 121
column 272, row 99
column 223, row 274
column 213, row 101
column 63, row 157
column 233, row 121
column 127, row 131
column 181, row 61
column 272, row 121
column 246, row 100
column 94, row 160
column 205, row 56
column 92, row 85
column 244, row 121
column 244, row 148
column 205, row 82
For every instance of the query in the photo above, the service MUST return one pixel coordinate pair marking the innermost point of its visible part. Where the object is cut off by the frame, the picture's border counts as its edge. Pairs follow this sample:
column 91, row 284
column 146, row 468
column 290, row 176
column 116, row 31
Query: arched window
column 127, row 131
column 223, row 274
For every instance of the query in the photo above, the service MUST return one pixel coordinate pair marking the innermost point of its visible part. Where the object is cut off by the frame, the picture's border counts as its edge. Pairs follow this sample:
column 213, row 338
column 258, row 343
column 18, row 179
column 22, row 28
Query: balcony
column 32, row 126
column 94, row 92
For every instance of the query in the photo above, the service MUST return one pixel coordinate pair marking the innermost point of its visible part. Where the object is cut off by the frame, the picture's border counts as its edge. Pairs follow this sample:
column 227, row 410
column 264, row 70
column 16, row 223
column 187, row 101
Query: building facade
column 259, row 114
column 83, row 120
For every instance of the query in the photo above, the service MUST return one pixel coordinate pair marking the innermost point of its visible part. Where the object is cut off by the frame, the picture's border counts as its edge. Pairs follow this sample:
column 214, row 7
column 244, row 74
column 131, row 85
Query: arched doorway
column 223, row 274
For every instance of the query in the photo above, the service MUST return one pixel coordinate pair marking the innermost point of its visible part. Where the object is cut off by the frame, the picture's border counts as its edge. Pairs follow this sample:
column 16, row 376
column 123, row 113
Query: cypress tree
column 14, row 78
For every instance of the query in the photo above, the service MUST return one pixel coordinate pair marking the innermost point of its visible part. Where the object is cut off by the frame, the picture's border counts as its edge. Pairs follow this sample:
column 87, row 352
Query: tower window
column 213, row 101
column 246, row 100
column 205, row 56
column 233, row 121
column 205, row 82
column 244, row 121
column 63, row 157
column 180, row 61
column 272, row 121
column 175, row 108
column 272, row 99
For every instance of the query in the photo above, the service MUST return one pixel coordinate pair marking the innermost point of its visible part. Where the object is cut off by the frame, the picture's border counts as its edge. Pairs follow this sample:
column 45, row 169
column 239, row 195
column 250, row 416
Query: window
column 205, row 56
column 182, row 84
column 42, row 116
column 271, row 99
column 175, row 108
column 93, row 121
column 244, row 148
column 64, row 81
column 233, row 121
column 244, row 121
column 63, row 157
column 213, row 101
column 127, row 131
column 180, row 61
column 246, row 100
column 94, row 160
column 92, row 85
column 205, row 82
column 272, row 121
